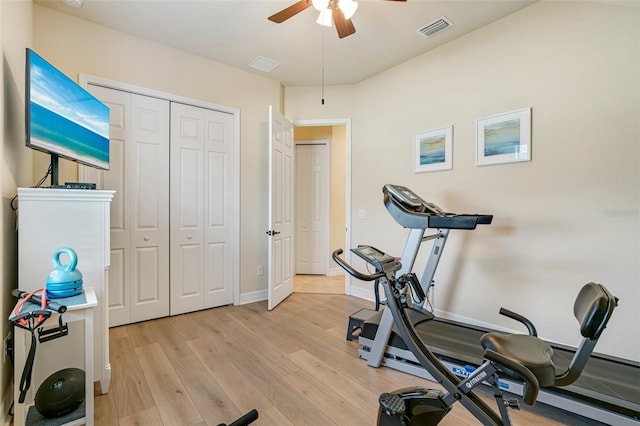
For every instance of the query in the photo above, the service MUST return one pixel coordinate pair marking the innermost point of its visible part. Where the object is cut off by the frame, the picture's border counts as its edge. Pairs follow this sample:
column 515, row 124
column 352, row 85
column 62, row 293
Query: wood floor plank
column 239, row 339
column 354, row 393
column 172, row 342
column 183, row 324
column 141, row 333
column 171, row 399
column 149, row 416
column 240, row 389
column 338, row 409
column 254, row 320
column 118, row 332
column 208, row 396
column 293, row 405
column 105, row 410
column 128, row 388
column 318, row 284
column 273, row 417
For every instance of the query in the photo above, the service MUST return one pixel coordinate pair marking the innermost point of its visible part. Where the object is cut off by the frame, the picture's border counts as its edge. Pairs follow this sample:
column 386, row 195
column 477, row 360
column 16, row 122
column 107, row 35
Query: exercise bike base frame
column 404, row 360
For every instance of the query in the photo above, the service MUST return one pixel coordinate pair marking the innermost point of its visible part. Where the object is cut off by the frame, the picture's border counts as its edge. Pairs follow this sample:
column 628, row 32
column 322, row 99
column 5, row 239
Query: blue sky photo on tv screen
column 64, row 118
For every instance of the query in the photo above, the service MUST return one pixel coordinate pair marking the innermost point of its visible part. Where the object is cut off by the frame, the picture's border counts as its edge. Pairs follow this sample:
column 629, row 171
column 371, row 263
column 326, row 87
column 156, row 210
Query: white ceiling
column 235, row 32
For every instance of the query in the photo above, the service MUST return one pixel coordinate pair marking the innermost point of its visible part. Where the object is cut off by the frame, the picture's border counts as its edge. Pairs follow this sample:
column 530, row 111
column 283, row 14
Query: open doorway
column 325, row 147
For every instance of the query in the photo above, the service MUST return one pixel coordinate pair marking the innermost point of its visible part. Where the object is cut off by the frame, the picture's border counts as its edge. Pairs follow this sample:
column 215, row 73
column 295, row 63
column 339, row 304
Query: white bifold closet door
column 201, row 208
column 138, row 287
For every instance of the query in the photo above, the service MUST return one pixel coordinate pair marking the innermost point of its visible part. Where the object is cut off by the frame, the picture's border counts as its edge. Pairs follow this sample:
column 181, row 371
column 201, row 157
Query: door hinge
column 270, row 233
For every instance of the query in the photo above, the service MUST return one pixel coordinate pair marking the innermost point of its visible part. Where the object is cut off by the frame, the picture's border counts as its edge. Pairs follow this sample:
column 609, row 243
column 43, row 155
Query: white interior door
column 312, row 208
column 281, row 213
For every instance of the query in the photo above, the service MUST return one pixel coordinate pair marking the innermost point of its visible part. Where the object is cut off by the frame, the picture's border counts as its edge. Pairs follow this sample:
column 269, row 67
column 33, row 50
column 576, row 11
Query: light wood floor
column 292, row 364
column 320, row 284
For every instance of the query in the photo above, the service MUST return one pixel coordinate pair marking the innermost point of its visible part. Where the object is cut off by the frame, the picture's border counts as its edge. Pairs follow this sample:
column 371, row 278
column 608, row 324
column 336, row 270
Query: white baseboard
column 334, row 272
column 253, row 296
column 363, row 293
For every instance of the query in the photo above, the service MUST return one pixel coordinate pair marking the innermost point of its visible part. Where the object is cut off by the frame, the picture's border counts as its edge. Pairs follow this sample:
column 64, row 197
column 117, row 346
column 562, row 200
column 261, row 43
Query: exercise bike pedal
column 512, row 403
column 392, row 404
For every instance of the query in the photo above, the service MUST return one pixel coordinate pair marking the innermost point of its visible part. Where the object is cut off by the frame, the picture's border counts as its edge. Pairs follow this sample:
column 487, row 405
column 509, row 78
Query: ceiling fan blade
column 343, row 26
column 290, row 11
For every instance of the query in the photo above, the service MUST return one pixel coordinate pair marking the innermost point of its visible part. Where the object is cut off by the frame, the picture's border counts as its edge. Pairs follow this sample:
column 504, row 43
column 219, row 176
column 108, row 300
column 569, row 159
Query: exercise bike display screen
column 372, row 255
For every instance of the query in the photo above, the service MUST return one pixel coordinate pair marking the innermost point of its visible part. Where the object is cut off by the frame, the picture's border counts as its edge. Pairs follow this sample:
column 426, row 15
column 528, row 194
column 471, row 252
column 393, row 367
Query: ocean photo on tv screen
column 64, row 118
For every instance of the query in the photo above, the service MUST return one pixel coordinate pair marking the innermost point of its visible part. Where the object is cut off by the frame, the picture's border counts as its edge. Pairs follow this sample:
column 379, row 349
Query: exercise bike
column 503, row 354
column 246, row 419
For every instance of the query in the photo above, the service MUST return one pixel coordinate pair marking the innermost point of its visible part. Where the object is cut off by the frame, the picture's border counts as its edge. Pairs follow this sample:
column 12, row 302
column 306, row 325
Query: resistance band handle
column 25, row 380
column 54, row 306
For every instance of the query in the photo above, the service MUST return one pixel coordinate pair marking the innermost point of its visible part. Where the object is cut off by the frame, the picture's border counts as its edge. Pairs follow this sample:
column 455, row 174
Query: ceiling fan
column 340, row 11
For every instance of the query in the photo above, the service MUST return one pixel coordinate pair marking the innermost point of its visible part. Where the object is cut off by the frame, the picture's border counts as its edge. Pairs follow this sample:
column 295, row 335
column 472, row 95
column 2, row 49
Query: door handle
column 270, row 233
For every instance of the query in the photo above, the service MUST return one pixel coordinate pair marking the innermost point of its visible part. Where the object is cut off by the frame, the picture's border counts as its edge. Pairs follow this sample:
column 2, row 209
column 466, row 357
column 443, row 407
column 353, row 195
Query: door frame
column 330, row 122
column 85, row 79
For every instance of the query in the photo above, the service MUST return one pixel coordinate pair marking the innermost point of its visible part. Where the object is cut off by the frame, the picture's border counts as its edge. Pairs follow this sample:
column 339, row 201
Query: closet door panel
column 220, row 220
column 149, row 197
column 187, row 208
column 118, row 294
column 303, row 209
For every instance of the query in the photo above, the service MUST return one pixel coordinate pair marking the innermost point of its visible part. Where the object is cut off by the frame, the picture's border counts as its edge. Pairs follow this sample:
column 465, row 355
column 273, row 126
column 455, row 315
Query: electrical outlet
column 259, row 270
column 8, row 347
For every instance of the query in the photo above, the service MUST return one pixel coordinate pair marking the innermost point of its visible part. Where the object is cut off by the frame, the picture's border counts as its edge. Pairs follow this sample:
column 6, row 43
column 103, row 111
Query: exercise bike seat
column 533, row 353
column 593, row 308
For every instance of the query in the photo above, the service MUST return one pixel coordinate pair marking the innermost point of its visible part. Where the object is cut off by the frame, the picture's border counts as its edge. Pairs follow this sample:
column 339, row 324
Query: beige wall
column 15, row 160
column 336, row 135
column 569, row 216
column 84, row 47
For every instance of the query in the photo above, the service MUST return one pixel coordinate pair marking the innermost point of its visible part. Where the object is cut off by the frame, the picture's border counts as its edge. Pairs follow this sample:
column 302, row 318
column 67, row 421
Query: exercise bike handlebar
column 532, row 388
column 356, row 274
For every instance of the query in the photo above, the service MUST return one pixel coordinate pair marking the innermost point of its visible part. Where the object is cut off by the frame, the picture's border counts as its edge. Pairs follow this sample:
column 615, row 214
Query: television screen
column 62, row 118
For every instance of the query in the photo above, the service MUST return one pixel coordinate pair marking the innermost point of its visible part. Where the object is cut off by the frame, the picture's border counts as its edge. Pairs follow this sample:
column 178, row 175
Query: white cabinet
column 52, row 218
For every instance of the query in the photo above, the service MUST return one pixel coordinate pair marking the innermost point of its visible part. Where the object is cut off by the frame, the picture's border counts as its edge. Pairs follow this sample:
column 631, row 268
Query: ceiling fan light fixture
column 324, row 18
column 348, row 7
column 320, row 5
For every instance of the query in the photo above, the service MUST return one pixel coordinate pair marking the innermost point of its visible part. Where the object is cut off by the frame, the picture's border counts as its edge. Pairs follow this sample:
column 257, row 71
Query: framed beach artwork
column 433, row 150
column 504, row 138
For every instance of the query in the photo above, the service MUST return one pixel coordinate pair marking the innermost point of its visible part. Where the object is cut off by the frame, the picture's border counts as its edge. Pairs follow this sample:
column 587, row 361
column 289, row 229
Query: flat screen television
column 63, row 119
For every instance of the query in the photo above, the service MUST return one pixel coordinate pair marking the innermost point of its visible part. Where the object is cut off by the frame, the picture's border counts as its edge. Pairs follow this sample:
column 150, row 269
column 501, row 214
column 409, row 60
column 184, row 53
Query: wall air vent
column 435, row 27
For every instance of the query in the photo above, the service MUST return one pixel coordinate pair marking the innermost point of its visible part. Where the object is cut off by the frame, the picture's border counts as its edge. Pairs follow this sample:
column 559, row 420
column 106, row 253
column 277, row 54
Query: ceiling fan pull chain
column 322, row 81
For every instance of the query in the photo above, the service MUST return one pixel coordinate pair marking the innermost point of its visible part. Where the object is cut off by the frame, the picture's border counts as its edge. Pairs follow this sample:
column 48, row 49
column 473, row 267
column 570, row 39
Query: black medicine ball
column 61, row 393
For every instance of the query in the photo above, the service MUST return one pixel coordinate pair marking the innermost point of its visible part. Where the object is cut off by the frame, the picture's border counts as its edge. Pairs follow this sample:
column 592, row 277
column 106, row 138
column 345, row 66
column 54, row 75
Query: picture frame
column 504, row 138
column 433, row 150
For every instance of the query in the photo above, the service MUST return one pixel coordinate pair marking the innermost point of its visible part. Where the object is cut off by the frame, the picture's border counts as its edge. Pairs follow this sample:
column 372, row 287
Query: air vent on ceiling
column 264, row 64
column 435, row 27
